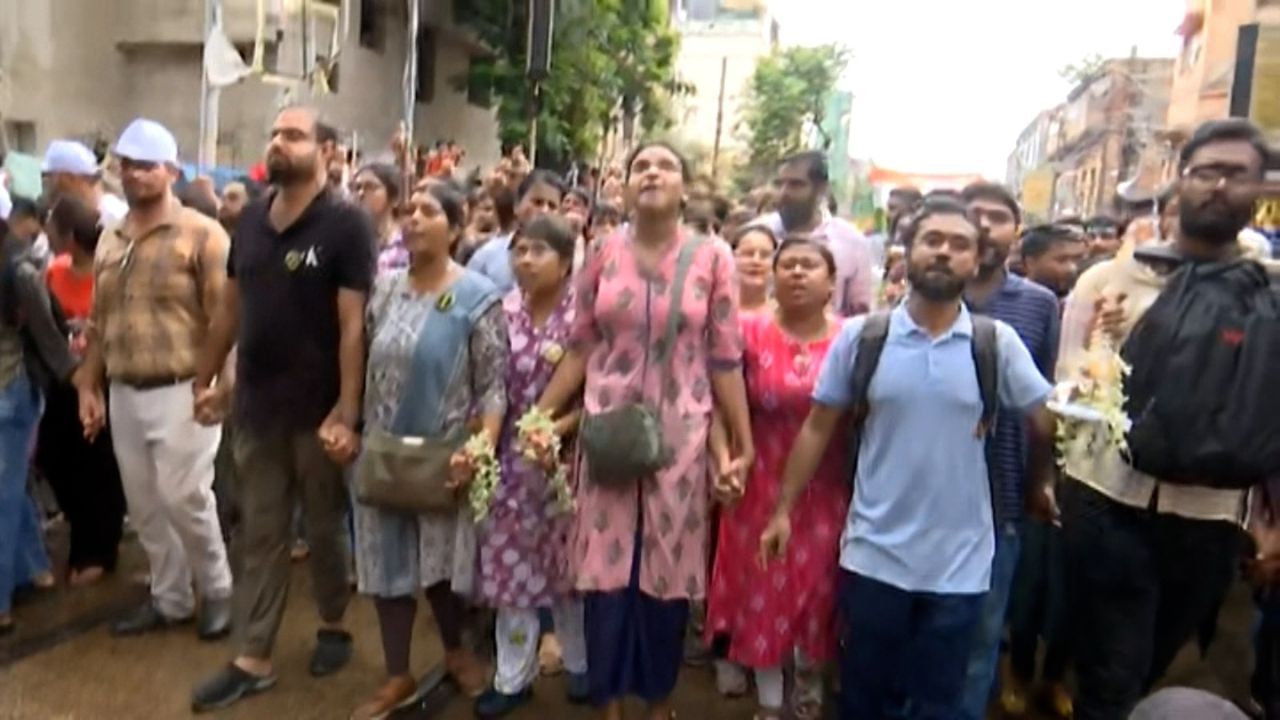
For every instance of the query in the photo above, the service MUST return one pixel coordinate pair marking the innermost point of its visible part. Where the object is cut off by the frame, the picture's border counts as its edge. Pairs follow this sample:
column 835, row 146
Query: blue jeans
column 903, row 654
column 22, row 553
column 984, row 654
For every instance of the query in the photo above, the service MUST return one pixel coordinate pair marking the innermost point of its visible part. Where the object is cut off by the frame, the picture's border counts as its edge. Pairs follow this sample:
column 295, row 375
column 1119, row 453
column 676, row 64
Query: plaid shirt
column 154, row 295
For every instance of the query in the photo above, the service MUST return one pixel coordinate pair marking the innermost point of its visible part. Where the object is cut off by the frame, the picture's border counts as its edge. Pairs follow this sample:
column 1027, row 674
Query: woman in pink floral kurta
column 640, row 552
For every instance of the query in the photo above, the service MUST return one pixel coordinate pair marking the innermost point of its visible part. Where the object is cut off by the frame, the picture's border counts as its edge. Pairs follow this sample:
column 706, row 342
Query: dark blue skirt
column 635, row 643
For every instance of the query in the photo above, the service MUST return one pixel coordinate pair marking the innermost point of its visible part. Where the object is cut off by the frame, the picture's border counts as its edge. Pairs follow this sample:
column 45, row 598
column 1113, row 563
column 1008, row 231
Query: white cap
column 147, row 141
column 6, row 203
column 69, row 156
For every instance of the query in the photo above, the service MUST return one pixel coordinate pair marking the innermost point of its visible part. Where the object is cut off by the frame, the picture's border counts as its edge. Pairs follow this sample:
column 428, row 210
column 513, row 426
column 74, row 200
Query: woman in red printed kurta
column 770, row 612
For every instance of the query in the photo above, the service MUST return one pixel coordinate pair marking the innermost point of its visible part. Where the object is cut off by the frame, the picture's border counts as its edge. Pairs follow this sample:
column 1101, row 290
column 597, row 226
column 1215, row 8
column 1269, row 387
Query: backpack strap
column 871, row 340
column 987, row 363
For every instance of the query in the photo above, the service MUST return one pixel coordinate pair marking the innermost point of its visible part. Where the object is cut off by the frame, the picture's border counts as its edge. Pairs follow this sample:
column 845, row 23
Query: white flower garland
column 1099, row 386
column 486, row 474
column 537, row 435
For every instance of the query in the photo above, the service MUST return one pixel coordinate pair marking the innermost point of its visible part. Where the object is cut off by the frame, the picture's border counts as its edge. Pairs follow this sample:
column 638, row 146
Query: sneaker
column 493, row 704
column 144, row 620
column 226, row 687
column 397, row 692
column 332, row 653
column 578, row 688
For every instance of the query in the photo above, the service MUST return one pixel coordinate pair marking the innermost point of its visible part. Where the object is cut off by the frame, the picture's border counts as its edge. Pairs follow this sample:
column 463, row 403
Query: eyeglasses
column 1220, row 175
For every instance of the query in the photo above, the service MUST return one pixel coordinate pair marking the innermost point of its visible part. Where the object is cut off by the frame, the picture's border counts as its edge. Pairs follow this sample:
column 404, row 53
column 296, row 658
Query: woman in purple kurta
column 524, row 539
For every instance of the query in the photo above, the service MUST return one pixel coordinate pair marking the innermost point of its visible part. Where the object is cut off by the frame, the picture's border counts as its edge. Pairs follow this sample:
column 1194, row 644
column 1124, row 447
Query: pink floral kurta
column 622, row 314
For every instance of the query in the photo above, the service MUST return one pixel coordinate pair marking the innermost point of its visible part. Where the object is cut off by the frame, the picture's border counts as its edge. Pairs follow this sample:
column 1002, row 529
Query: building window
column 372, row 30
column 20, row 135
column 426, row 65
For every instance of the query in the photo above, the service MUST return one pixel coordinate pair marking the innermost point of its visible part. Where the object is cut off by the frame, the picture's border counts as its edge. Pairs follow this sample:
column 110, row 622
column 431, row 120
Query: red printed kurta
column 622, row 314
column 790, row 603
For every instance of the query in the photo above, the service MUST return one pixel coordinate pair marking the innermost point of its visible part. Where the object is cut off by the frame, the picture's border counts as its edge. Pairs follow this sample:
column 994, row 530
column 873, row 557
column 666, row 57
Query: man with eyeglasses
column 1103, row 236
column 1032, row 311
column 1148, row 562
column 158, row 274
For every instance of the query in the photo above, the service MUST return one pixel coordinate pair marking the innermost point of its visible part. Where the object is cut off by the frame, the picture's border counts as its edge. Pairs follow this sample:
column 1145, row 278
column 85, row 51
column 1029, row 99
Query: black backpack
column 986, row 362
column 1204, row 362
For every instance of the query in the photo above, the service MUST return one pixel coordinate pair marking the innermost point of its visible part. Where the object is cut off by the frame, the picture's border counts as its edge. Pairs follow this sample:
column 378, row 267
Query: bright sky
column 946, row 85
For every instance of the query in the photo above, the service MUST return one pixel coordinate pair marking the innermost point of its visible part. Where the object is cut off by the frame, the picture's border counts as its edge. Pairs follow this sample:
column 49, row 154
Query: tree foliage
column 787, row 89
column 611, row 59
column 1082, row 70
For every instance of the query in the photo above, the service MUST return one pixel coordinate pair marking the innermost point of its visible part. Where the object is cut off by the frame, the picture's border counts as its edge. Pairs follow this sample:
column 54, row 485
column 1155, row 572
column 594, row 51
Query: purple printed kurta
column 523, row 542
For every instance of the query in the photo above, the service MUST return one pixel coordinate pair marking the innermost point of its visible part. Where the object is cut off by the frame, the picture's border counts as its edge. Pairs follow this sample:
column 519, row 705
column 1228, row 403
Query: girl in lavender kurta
column 524, row 540
column 641, row 551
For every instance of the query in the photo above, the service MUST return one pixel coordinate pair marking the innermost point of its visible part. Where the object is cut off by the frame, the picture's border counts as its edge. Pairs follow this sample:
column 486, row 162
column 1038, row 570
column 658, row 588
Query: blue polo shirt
column 493, row 260
column 1032, row 311
column 920, row 519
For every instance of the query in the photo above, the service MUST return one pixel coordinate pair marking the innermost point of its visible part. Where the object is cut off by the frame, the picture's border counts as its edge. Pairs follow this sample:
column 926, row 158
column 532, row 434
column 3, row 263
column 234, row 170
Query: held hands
column 211, row 404
column 93, row 412
column 337, row 438
column 461, row 471
column 730, row 482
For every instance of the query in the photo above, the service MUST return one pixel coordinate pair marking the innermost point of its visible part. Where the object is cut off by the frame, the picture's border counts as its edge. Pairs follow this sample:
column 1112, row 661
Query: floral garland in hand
column 1101, row 374
column 538, row 440
column 486, row 474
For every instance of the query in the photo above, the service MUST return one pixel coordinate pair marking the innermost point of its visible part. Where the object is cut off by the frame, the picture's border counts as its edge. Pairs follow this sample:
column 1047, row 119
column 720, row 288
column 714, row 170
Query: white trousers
column 166, row 467
column 518, row 634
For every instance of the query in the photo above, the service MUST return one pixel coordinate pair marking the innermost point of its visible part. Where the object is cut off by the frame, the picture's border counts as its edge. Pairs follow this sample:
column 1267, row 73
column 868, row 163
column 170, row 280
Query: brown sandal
column 467, row 672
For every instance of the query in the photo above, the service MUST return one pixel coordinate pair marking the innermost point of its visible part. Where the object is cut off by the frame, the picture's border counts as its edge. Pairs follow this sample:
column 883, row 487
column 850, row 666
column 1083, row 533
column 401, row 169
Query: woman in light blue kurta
column 437, row 359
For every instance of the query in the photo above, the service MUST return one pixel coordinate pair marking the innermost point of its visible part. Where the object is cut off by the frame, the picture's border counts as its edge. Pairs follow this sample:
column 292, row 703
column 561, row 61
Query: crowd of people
column 637, row 422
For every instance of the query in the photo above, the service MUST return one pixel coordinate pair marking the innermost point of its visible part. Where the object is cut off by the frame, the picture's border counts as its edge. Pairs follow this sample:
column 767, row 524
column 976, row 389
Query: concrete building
column 1103, row 139
column 1206, row 66
column 84, row 68
column 720, row 43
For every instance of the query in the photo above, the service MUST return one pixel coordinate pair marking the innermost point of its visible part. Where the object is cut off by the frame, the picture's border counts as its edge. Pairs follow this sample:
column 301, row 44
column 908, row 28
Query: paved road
column 91, row 675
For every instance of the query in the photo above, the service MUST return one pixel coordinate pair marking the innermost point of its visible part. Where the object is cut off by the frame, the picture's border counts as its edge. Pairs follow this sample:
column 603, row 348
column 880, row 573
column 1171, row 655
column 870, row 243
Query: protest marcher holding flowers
column 524, row 540
column 437, row 360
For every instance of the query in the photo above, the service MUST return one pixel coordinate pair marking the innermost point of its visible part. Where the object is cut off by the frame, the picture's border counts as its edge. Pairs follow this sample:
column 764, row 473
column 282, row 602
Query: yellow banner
column 1037, row 192
column 1265, row 97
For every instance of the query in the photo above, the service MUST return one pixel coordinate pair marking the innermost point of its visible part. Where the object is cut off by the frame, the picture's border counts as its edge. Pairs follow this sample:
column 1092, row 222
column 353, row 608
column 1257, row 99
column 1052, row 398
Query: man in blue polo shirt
column 916, row 553
column 1032, row 311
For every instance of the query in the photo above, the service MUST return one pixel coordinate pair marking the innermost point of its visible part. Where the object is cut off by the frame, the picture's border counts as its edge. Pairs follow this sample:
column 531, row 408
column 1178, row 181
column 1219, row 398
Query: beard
column 282, row 171
column 1215, row 221
column 935, row 283
column 794, row 215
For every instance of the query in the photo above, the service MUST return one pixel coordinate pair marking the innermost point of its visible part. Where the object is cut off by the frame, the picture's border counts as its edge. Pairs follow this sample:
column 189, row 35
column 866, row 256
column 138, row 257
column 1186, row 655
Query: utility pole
column 207, row 153
column 715, row 150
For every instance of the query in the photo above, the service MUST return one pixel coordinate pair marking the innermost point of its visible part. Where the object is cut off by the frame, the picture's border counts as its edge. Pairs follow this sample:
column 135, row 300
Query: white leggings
column 517, row 635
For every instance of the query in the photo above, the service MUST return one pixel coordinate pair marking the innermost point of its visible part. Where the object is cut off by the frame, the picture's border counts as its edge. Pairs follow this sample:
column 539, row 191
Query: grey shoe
column 226, row 687
column 144, row 620
column 214, row 621
column 332, row 653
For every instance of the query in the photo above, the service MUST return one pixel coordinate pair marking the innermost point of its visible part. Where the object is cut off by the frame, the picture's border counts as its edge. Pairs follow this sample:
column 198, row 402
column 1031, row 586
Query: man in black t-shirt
column 300, row 268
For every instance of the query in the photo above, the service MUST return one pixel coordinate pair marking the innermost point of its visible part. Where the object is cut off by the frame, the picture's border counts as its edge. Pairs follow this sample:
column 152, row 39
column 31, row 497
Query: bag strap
column 871, row 340
column 986, row 362
column 666, row 352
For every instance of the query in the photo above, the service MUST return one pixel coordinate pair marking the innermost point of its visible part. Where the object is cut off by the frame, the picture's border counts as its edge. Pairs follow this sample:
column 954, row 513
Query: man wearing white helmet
column 158, row 274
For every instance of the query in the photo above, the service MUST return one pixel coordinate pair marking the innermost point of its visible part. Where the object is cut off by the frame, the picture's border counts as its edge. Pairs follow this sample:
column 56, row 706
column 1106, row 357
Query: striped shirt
column 1032, row 311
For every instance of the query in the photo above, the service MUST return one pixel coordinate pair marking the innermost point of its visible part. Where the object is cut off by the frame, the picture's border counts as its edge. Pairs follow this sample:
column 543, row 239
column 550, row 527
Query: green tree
column 611, row 60
column 1084, row 69
column 788, row 87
